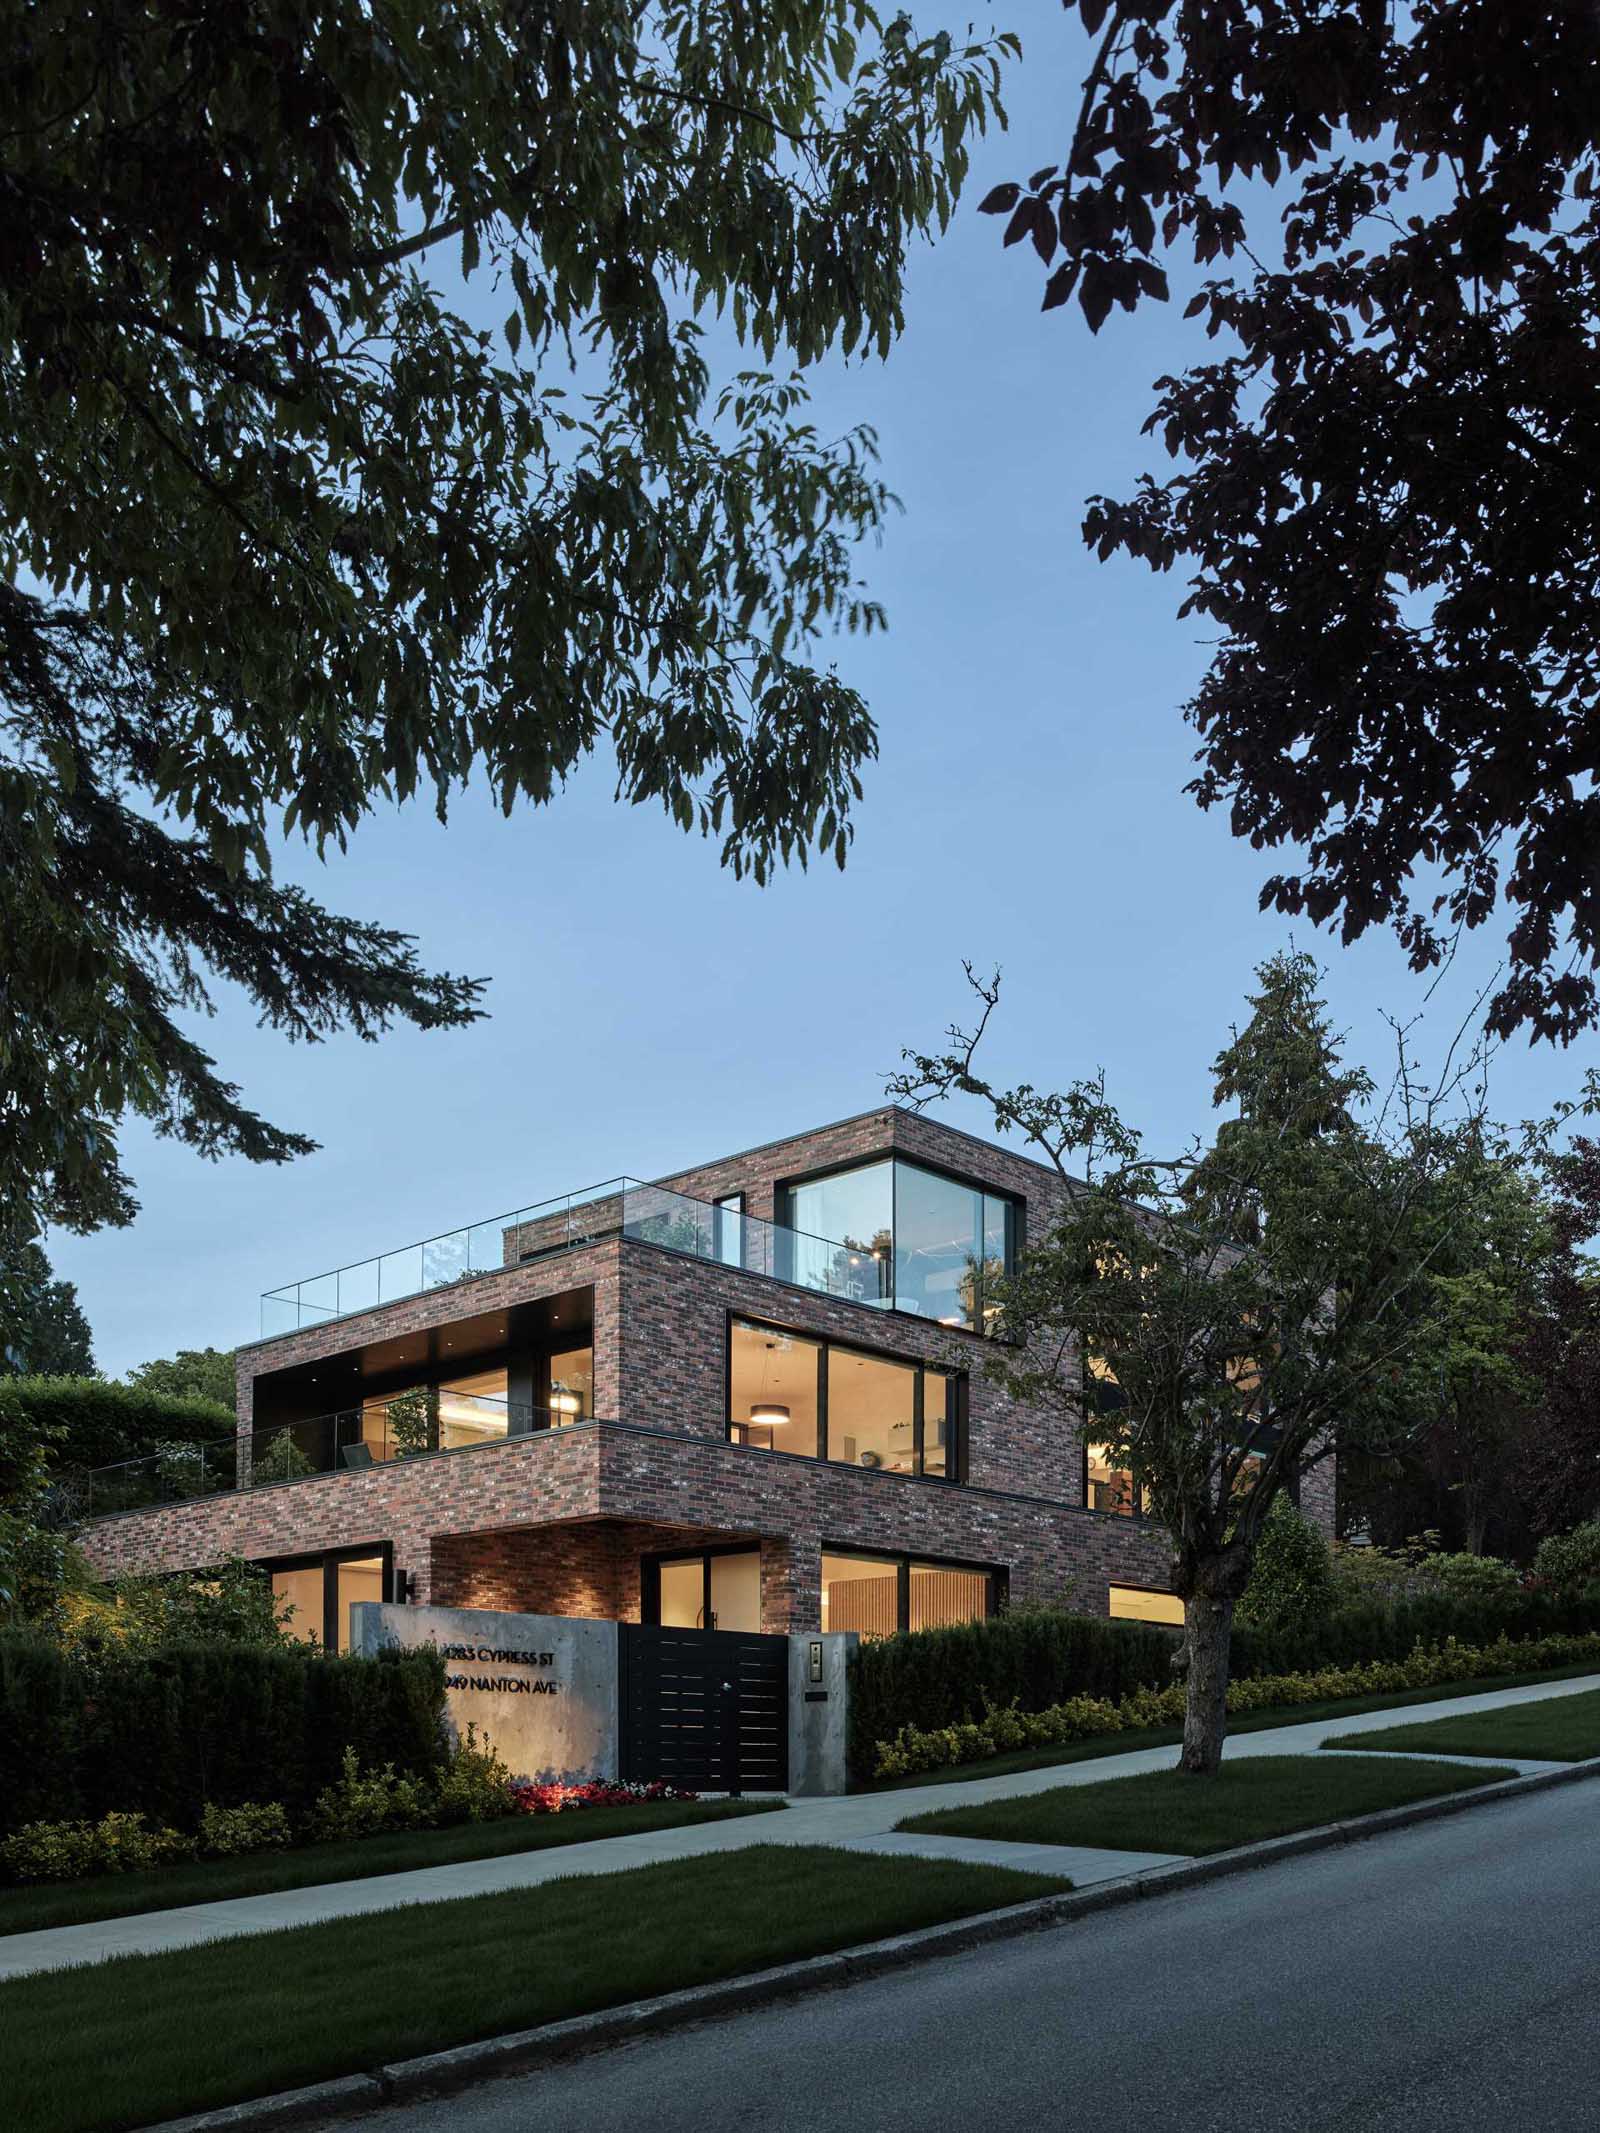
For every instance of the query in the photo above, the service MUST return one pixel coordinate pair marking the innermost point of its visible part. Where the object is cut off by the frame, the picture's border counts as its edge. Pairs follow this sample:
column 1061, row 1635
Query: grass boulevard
column 1564, row 1729
column 1249, row 1800
column 288, row 2008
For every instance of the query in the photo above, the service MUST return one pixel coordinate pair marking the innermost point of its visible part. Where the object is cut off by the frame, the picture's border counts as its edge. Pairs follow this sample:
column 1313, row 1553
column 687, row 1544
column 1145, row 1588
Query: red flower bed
column 532, row 1799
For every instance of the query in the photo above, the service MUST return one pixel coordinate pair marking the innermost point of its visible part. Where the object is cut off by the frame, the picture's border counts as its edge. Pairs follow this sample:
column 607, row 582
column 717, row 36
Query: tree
column 42, row 1326
column 191, row 1374
column 286, row 536
column 1563, row 1350
column 1390, row 502
column 1250, row 1306
column 1472, row 1366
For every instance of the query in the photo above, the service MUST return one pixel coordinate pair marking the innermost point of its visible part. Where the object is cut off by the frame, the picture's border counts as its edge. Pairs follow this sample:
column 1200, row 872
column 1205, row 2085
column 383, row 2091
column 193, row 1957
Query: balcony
column 407, row 1425
column 647, row 1214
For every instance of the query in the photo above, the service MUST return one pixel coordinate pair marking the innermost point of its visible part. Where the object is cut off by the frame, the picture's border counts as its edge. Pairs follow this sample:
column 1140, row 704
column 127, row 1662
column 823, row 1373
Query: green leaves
column 316, row 542
column 1387, row 503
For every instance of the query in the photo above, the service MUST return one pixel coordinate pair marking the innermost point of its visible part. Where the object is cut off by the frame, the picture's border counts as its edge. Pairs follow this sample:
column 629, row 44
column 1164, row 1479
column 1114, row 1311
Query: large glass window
column 940, row 1595
column 861, row 1592
column 825, row 1401
column 897, row 1233
column 356, row 1581
column 302, row 1589
column 571, row 1392
column 322, row 1589
column 872, row 1411
column 1106, row 1486
column 843, row 1228
column 710, row 1590
column 875, row 1595
column 773, row 1389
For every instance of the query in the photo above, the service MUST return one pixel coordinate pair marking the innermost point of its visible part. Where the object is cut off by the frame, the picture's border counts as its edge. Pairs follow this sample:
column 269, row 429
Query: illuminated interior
column 881, row 1413
column 1132, row 1603
column 875, row 1595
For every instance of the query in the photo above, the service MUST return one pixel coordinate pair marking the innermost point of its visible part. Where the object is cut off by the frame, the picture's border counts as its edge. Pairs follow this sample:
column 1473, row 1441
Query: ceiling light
column 768, row 1414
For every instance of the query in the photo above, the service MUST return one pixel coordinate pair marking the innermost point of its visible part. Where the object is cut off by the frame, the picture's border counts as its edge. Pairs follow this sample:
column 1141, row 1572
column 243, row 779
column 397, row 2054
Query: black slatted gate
column 707, row 1709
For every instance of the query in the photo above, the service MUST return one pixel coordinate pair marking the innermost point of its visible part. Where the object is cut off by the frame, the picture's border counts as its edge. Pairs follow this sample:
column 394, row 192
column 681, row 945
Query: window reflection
column 892, row 1231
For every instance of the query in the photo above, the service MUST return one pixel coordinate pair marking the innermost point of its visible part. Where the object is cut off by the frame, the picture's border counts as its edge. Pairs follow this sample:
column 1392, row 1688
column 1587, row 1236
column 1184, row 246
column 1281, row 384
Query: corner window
column 823, row 1400
column 892, row 1232
column 875, row 1595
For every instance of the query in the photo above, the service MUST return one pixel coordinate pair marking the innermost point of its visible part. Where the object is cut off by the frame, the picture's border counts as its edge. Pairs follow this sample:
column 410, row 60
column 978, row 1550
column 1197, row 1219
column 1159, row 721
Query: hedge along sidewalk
column 37, row 1906
column 1003, row 1730
column 855, row 1820
column 1338, row 1710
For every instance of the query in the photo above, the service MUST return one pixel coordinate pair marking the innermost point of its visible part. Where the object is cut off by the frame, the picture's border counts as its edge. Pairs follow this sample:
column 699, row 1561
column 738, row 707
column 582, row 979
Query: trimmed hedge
column 1000, row 1732
column 1034, row 1660
column 167, row 1733
column 95, row 1422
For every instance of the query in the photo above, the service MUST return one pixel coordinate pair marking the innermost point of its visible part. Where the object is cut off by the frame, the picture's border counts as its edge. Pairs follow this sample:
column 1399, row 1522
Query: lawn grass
column 1288, row 1714
column 1250, row 1798
column 74, row 1903
column 149, row 2037
column 1561, row 1729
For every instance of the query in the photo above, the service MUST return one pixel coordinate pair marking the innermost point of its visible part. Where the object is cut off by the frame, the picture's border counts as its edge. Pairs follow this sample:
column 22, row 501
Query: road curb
column 441, row 2073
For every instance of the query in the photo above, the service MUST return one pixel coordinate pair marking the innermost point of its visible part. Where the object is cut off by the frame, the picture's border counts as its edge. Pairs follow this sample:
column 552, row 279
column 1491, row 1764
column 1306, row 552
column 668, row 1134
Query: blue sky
column 646, row 1011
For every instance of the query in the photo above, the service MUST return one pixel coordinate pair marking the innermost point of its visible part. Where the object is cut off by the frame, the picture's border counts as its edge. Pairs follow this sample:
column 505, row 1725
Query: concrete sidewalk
column 861, row 1821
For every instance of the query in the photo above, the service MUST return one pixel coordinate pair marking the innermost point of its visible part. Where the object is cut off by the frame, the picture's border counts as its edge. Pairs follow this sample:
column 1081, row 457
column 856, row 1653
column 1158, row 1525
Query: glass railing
column 440, row 1262
column 406, row 1426
column 651, row 1214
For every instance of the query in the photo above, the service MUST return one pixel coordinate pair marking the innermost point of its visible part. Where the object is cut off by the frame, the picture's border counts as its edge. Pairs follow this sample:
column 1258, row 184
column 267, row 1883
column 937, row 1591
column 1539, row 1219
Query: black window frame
column 330, row 1559
column 956, row 1403
column 997, row 1576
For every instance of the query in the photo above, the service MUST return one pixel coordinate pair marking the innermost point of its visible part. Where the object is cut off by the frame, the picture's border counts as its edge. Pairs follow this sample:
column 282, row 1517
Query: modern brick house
column 751, row 1395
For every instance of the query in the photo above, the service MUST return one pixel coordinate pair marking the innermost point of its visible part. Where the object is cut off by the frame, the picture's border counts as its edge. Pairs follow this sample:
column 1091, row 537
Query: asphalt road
column 1438, row 1980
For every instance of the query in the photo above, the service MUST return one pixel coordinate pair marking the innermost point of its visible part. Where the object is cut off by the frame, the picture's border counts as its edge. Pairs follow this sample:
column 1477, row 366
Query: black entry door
column 707, row 1709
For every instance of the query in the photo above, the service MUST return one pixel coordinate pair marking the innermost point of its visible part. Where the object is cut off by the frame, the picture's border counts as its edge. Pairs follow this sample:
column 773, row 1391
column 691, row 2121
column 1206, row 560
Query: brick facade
column 559, row 1521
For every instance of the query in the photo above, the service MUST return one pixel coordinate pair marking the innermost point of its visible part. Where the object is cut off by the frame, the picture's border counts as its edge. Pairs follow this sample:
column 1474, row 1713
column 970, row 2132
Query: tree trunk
column 1215, row 1584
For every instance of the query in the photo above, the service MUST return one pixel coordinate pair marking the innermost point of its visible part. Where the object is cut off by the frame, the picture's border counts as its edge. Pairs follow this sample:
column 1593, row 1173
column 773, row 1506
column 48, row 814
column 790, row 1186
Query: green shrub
column 474, row 1785
column 1291, row 1585
column 252, row 1826
column 167, row 1731
column 933, row 1678
column 232, row 1603
column 1472, row 1576
column 94, row 1422
column 363, row 1803
column 40, row 1567
column 67, row 1851
column 1003, row 1731
column 1570, row 1561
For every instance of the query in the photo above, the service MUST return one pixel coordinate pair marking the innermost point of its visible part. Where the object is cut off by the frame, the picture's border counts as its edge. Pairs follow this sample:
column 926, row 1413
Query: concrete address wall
column 545, row 1689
